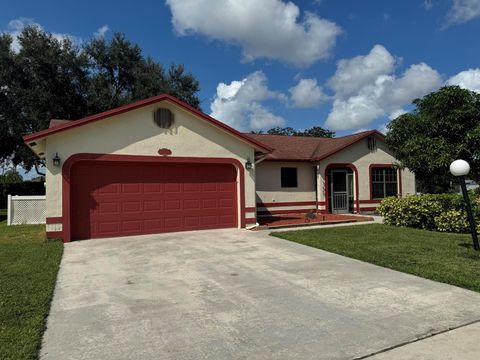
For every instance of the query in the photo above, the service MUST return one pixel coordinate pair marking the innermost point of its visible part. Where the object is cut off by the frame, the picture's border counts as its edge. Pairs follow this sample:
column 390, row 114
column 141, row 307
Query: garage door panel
column 172, row 188
column 190, row 204
column 125, row 199
column 152, row 205
column 131, row 206
column 107, row 208
column 109, row 227
column 132, row 225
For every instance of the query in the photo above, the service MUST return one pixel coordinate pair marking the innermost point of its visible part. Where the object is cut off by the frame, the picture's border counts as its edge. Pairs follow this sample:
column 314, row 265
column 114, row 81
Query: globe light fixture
column 461, row 168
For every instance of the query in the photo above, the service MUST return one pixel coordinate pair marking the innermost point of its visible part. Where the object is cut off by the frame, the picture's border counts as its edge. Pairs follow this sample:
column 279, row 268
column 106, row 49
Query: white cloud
column 396, row 113
column 366, row 92
column 15, row 27
column 463, row 11
column 307, row 93
column 468, row 79
column 428, row 4
column 101, row 32
column 238, row 104
column 353, row 74
column 263, row 29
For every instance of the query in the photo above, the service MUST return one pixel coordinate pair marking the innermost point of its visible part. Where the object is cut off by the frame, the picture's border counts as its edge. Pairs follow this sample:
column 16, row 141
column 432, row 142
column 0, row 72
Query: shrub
column 452, row 221
column 440, row 212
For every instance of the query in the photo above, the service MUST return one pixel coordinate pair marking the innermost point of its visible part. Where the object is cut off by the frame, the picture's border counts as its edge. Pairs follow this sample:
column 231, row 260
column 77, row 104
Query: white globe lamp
column 459, row 168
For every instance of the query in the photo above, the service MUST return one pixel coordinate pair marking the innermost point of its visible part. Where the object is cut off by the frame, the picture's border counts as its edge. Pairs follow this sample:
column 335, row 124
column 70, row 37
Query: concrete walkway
column 236, row 294
column 457, row 344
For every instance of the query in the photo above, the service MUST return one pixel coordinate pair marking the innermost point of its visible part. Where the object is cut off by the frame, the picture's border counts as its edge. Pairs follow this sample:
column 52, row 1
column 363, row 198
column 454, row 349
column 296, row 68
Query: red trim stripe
column 370, row 208
column 250, row 209
column 283, row 212
column 54, row 220
column 292, row 203
column 249, row 221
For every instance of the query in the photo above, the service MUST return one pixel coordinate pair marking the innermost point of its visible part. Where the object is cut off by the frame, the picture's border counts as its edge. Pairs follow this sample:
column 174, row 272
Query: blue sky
column 346, row 65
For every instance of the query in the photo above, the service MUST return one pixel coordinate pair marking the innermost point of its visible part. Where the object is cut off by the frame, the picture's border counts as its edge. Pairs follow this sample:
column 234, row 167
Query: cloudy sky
column 346, row 65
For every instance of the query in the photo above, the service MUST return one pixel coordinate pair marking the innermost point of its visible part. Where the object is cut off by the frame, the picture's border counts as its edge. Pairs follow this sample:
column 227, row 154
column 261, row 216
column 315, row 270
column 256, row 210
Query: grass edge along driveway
column 444, row 257
column 28, row 271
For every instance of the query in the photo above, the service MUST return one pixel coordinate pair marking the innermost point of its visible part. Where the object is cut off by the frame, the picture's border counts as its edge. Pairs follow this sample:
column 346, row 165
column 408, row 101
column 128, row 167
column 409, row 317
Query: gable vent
column 371, row 143
column 163, row 118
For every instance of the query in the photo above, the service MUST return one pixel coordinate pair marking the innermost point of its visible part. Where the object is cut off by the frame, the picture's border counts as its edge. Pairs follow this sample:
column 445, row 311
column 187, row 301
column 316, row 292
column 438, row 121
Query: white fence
column 26, row 210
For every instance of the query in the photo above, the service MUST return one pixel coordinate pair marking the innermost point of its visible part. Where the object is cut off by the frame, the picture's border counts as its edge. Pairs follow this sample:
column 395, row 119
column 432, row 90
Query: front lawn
column 444, row 257
column 28, row 269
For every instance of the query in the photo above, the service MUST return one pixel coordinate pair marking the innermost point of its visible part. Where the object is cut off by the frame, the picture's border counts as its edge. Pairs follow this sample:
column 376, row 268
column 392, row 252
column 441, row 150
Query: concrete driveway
column 236, row 294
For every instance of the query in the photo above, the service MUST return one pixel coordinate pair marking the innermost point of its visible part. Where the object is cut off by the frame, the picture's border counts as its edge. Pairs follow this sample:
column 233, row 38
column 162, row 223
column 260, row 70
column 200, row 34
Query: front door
column 339, row 191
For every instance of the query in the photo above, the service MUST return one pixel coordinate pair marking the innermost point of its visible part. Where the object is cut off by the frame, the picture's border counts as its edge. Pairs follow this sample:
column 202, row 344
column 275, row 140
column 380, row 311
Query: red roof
column 57, row 128
column 300, row 148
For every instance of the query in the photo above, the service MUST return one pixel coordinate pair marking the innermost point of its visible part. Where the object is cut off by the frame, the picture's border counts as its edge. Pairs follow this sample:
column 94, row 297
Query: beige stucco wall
column 134, row 133
column 359, row 155
column 269, row 187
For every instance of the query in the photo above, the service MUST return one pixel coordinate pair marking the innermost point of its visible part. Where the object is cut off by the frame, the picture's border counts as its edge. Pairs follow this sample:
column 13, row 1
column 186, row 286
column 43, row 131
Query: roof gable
column 299, row 148
column 65, row 126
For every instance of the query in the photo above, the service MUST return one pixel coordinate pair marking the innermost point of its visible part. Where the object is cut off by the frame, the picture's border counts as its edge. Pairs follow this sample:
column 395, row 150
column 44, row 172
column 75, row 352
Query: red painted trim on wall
column 370, row 208
column 374, row 201
column 54, row 220
column 54, row 235
column 340, row 165
column 139, row 104
column 289, row 203
column 250, row 209
column 390, row 166
column 321, row 203
column 67, row 166
column 287, row 160
column 249, row 221
column 283, row 212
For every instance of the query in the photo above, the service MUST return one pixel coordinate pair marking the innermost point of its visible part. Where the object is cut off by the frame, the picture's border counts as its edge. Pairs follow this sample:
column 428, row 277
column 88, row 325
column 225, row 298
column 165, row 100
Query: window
column 289, row 177
column 384, row 182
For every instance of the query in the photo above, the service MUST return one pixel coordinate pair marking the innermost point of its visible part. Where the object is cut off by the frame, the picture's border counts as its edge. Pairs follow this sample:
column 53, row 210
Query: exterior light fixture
column 56, row 160
column 461, row 168
column 248, row 165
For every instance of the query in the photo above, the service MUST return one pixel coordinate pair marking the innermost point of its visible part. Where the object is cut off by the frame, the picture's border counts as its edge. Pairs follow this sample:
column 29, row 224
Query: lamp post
column 460, row 168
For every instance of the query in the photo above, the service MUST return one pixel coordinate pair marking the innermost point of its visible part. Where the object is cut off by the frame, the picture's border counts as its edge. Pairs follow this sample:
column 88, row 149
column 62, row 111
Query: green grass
column 28, row 269
column 448, row 258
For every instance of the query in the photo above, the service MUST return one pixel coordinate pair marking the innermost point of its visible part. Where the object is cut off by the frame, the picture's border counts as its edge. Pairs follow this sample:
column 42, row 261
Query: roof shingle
column 300, row 148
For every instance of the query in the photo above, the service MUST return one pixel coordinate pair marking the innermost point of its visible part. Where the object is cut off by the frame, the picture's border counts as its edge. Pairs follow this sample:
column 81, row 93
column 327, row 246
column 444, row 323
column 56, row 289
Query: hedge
column 438, row 212
column 23, row 188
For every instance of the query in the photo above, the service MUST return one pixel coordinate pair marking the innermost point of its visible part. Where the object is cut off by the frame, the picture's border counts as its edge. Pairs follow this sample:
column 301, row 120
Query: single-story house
column 159, row 165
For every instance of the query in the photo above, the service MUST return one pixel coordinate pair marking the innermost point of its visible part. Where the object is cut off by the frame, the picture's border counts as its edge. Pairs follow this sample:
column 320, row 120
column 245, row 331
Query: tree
column 50, row 78
column 315, row 131
column 287, row 131
column 45, row 79
column 10, row 176
column 444, row 126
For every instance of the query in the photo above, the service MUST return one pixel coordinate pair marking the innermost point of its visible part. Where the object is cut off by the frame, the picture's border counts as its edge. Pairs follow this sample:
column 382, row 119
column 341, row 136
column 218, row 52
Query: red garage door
column 119, row 199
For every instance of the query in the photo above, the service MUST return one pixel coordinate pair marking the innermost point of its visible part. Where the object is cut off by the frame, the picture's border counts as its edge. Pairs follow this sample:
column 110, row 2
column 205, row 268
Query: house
column 159, row 165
